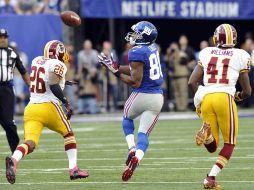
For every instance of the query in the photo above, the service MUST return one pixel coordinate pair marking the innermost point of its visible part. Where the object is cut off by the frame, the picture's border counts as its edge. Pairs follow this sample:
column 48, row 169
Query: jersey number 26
column 37, row 82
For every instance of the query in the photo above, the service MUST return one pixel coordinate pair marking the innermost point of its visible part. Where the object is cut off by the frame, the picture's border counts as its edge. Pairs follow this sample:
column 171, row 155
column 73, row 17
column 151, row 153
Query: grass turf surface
column 173, row 161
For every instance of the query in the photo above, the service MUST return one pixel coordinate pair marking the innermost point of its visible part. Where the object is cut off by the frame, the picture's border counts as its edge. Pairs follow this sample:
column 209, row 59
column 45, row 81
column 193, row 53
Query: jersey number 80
column 155, row 66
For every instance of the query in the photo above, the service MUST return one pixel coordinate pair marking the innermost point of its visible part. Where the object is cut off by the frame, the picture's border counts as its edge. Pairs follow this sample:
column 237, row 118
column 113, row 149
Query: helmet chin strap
column 132, row 42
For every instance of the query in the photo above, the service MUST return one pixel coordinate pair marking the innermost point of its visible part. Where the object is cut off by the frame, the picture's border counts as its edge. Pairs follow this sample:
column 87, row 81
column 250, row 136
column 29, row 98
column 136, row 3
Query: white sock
column 139, row 154
column 17, row 155
column 215, row 170
column 130, row 141
column 72, row 157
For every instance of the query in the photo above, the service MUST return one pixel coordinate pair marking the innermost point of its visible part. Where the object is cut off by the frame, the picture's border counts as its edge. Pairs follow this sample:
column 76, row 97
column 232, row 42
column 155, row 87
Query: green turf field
column 173, row 161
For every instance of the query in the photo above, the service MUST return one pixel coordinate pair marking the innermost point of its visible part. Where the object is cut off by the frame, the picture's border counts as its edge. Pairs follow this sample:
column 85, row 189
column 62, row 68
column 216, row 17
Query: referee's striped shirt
column 9, row 59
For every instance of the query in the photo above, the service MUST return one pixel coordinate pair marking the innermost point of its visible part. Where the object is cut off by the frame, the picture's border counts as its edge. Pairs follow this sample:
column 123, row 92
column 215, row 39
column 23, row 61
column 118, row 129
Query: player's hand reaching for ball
column 109, row 63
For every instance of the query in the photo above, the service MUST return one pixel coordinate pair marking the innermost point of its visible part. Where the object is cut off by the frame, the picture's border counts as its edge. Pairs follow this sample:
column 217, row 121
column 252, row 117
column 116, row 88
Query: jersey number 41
column 212, row 70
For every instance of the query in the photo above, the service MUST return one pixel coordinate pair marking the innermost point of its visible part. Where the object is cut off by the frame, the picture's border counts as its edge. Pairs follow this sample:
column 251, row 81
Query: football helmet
column 55, row 49
column 225, row 35
column 144, row 33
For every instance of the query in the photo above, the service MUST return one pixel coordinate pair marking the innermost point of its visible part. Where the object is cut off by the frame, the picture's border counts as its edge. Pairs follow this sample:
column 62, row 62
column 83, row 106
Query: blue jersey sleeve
column 152, row 75
column 136, row 55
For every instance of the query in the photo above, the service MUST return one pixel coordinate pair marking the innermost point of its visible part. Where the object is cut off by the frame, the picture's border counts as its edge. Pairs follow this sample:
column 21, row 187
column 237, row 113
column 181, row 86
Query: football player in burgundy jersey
column 220, row 67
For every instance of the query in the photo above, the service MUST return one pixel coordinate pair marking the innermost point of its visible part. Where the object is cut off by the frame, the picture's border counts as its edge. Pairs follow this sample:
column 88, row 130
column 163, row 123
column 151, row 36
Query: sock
column 139, row 154
column 224, row 156
column 72, row 157
column 211, row 146
column 71, row 149
column 142, row 144
column 21, row 151
column 128, row 126
column 130, row 141
column 215, row 170
column 69, row 141
column 17, row 155
column 128, row 129
column 227, row 151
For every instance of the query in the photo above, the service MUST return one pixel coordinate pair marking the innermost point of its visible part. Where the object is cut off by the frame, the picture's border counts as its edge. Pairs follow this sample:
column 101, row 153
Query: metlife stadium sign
column 171, row 9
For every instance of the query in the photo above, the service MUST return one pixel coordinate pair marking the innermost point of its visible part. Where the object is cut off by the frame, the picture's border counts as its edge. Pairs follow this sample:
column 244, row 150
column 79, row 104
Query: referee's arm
column 22, row 70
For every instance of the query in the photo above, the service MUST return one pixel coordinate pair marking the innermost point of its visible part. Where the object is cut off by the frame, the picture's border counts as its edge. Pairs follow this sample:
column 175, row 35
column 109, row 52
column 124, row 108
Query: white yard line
column 114, row 168
column 122, row 144
column 147, row 158
column 114, row 182
column 54, row 151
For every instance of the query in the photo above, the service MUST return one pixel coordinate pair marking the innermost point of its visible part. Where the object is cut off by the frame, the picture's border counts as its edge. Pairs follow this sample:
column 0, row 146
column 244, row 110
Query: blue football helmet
column 144, row 33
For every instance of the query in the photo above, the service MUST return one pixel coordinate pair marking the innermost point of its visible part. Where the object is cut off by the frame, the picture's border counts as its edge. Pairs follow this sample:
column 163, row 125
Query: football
column 70, row 18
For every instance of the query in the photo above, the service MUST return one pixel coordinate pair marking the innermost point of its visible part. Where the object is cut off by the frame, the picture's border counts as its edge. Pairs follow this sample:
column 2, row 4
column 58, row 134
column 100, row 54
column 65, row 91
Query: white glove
column 108, row 63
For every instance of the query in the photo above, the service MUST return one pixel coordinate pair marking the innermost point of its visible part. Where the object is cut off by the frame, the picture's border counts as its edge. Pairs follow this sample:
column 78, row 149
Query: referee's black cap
column 3, row 32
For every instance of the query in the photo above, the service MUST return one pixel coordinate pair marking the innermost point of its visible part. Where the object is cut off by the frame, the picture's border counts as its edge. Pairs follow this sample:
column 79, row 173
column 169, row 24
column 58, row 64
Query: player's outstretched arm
column 246, row 88
column 195, row 78
column 109, row 63
column 132, row 77
column 136, row 75
column 124, row 69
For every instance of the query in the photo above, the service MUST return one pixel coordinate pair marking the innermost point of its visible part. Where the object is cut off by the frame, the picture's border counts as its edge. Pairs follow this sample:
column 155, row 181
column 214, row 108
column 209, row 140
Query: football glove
column 238, row 97
column 109, row 63
column 68, row 110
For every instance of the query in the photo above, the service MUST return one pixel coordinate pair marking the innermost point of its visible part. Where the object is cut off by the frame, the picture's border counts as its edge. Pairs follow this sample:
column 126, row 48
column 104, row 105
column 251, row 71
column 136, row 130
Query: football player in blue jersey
column 145, row 76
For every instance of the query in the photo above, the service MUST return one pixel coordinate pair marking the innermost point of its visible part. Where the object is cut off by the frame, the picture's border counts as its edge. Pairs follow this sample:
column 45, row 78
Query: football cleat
column 76, row 173
column 210, row 183
column 203, row 134
column 131, row 153
column 130, row 169
column 10, row 169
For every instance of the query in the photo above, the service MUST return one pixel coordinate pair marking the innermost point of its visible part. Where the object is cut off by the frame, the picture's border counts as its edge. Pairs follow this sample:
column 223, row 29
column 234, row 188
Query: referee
column 9, row 59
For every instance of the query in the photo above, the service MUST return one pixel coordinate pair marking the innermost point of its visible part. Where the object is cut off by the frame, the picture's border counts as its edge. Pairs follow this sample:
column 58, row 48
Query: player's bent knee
column 212, row 147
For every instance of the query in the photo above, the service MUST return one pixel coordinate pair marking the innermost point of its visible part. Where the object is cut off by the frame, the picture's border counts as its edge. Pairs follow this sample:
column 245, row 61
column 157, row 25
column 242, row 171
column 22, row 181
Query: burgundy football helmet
column 225, row 35
column 55, row 49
